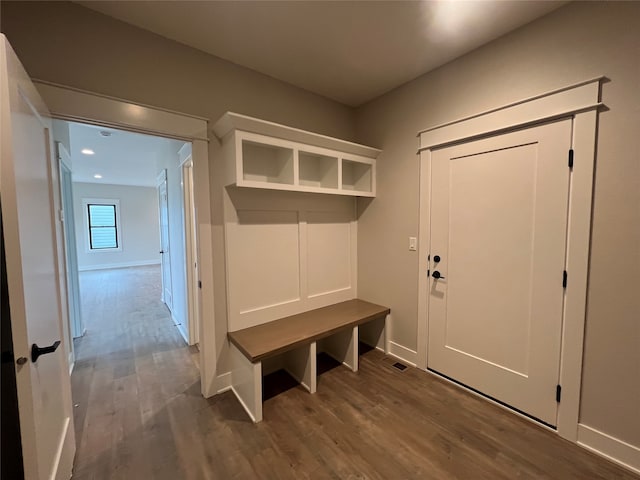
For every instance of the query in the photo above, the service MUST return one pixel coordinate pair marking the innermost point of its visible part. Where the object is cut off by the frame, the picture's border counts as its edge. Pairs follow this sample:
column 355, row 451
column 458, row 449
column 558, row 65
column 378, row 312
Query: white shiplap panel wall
column 287, row 253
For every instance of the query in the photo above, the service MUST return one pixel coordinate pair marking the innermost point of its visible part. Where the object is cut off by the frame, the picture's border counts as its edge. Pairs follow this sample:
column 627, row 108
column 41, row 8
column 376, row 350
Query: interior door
column 165, row 253
column 34, row 292
column 191, row 240
column 498, row 241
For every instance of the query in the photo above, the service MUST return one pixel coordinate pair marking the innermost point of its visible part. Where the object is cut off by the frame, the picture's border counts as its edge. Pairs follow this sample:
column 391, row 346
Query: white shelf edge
column 234, row 121
column 300, row 188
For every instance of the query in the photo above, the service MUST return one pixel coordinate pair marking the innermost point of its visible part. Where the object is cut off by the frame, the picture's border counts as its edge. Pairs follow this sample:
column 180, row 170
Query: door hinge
column 558, row 393
column 571, row 158
column 564, row 279
column 199, row 284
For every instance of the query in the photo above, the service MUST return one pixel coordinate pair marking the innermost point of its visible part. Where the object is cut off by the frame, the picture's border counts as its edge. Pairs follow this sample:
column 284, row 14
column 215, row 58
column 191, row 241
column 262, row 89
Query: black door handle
column 36, row 351
column 436, row 275
column 161, row 251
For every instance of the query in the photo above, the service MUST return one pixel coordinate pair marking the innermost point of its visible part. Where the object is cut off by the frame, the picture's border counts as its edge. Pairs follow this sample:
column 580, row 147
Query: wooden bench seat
column 298, row 339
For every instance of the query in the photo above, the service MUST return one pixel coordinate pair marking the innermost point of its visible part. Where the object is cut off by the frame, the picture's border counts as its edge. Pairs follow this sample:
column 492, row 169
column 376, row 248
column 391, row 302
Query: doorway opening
column 128, row 238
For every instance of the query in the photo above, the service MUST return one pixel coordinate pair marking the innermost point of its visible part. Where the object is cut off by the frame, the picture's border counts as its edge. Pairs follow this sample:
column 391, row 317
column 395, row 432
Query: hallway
column 132, row 367
column 140, row 415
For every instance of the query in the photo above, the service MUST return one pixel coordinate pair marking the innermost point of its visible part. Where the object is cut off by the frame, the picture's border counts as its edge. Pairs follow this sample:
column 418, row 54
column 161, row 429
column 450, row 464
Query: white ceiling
column 350, row 51
column 124, row 158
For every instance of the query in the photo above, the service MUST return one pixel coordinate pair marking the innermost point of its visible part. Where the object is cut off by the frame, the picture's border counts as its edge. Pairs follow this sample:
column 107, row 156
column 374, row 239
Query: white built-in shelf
column 262, row 154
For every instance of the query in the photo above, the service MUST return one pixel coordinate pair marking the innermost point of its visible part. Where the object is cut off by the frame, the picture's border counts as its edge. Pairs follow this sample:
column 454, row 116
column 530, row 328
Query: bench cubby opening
column 342, row 347
column 373, row 334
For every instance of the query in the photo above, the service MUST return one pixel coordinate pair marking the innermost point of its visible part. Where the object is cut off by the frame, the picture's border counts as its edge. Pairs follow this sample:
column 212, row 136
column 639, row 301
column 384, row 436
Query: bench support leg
column 246, row 383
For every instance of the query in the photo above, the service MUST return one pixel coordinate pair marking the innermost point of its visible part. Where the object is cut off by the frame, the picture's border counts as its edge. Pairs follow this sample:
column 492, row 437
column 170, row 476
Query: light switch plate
column 413, row 244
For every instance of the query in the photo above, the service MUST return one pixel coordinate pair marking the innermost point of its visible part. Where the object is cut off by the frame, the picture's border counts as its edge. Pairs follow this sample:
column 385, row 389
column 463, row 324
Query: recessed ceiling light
column 97, row 175
column 88, row 151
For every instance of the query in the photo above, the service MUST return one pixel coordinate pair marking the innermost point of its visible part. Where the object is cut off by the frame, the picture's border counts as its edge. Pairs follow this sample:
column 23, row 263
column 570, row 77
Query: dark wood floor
column 139, row 413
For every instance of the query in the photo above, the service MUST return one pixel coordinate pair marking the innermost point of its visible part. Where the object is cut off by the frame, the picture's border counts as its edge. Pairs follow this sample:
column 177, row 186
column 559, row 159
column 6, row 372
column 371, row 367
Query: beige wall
column 577, row 42
column 68, row 44
column 65, row 43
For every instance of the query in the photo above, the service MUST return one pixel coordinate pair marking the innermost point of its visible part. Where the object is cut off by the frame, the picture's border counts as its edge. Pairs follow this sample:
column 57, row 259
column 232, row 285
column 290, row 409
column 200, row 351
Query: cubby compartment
column 267, row 163
column 261, row 154
column 373, row 334
column 356, row 176
column 299, row 363
column 317, row 170
column 342, row 346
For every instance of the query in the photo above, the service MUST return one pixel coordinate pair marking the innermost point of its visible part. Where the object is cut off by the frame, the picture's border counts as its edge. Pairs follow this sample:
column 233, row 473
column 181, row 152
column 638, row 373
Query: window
column 102, row 224
column 103, row 232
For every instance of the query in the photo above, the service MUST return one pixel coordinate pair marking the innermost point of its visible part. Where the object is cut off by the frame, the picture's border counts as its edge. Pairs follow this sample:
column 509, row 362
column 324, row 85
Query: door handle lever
column 436, row 275
column 36, row 351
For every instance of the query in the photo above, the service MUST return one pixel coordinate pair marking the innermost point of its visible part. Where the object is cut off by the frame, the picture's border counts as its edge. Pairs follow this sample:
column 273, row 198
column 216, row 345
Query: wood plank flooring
column 139, row 413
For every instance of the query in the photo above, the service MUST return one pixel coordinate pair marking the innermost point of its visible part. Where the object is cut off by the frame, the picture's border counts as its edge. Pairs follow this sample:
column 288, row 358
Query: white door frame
column 76, row 105
column 190, row 241
column 581, row 102
column 74, row 327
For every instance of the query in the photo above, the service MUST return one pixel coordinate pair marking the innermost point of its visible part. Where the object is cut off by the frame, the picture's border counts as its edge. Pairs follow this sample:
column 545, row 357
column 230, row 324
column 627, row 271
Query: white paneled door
column 498, row 244
column 29, row 206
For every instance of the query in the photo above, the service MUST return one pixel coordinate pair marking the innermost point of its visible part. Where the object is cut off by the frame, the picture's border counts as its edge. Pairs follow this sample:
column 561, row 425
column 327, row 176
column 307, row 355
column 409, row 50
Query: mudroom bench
column 293, row 343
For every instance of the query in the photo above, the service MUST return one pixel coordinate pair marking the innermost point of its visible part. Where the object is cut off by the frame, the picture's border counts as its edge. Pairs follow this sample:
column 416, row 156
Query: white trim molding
column 68, row 103
column 614, row 449
column 402, row 353
column 559, row 103
column 580, row 102
column 223, row 382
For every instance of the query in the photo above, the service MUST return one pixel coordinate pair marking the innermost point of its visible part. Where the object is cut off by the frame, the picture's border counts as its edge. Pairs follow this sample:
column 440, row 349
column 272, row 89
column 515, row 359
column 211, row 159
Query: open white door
column 191, row 244
column 27, row 196
column 498, row 245
column 163, row 205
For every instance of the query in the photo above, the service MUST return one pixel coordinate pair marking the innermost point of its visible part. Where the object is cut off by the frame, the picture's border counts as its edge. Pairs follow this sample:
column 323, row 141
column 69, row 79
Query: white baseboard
column 244, row 405
column 403, row 353
column 106, row 266
column 614, row 449
column 223, row 382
